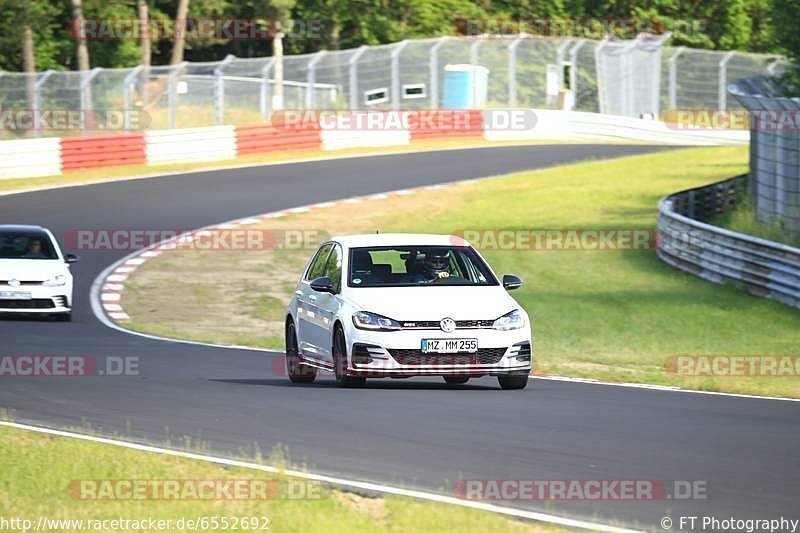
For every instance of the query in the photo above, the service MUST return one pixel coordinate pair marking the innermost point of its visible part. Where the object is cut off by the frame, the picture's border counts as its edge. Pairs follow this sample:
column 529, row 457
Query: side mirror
column 511, row 282
column 70, row 258
column 323, row 284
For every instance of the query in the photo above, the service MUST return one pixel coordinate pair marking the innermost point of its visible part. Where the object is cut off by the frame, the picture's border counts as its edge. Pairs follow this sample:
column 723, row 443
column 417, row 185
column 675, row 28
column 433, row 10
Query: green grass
column 38, row 469
column 616, row 315
column 743, row 219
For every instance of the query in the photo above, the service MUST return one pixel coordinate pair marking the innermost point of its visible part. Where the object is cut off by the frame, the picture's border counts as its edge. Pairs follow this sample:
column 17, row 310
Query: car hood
column 434, row 303
column 31, row 269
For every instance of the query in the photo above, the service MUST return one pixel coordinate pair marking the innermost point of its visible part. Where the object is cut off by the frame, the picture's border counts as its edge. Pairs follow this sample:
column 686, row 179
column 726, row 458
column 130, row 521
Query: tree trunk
column 145, row 35
column 80, row 39
column 144, row 44
column 180, row 35
column 29, row 67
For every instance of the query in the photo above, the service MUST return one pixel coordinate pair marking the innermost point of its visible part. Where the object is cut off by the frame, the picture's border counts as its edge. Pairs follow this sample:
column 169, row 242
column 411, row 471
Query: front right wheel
column 513, row 381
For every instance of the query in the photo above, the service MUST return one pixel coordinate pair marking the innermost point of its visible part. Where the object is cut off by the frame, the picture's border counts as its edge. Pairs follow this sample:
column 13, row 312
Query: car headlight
column 512, row 320
column 57, row 281
column 367, row 320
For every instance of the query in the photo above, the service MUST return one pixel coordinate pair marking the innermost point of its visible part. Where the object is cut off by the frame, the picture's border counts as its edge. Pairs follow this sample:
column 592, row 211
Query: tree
column 52, row 44
column 144, row 38
column 82, row 51
column 180, row 36
column 784, row 16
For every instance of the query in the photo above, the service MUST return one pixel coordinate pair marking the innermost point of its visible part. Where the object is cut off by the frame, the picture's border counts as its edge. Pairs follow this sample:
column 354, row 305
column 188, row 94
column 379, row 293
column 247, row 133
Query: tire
column 456, row 380
column 513, row 381
column 340, row 362
column 297, row 373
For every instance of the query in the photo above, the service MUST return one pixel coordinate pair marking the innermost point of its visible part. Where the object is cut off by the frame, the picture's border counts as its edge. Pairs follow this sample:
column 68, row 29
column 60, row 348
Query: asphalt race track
column 414, row 433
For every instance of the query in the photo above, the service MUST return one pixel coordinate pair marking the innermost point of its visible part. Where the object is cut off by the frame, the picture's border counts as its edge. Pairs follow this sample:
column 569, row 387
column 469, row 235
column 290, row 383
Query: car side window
column 333, row 268
column 317, row 267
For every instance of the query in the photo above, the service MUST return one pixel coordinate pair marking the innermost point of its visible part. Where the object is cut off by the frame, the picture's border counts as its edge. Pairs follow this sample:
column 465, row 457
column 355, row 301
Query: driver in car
column 436, row 266
column 34, row 250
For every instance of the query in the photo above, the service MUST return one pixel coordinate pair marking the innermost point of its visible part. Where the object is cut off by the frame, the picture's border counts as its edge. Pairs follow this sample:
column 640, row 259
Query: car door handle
column 298, row 292
column 312, row 297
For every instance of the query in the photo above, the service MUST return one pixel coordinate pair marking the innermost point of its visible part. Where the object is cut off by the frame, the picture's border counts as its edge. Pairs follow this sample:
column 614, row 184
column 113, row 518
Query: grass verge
column 743, row 219
column 615, row 315
column 41, row 473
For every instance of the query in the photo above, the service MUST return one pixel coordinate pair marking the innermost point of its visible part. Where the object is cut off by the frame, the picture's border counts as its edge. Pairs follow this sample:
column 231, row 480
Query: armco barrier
column 686, row 241
column 448, row 124
column 28, row 158
column 260, row 139
column 214, row 143
column 96, row 151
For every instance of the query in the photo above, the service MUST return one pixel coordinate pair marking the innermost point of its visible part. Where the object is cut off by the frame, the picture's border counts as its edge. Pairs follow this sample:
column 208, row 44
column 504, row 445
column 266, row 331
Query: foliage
column 748, row 25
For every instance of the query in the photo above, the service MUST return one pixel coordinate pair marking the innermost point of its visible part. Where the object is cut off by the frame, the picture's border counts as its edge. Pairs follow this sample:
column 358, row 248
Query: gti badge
column 447, row 325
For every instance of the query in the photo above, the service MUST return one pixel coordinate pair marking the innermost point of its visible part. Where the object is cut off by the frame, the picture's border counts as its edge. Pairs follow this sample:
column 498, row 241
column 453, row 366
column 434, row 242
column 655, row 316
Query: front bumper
column 43, row 300
column 398, row 353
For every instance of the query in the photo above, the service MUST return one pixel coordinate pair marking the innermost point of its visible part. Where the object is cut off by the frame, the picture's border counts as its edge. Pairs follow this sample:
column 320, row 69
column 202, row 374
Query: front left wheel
column 298, row 373
column 340, row 362
column 513, row 381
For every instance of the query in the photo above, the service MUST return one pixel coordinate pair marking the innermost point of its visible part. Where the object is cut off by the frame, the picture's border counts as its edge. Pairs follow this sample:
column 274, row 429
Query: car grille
column 36, row 303
column 61, row 301
column 484, row 356
column 21, row 283
column 434, row 324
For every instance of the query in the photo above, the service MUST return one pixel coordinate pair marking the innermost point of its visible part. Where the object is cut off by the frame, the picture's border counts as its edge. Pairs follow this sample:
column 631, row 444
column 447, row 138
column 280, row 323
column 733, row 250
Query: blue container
column 464, row 86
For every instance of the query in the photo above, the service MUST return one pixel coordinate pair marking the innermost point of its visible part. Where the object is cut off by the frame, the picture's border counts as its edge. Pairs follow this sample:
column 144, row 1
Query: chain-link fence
column 638, row 77
column 774, row 152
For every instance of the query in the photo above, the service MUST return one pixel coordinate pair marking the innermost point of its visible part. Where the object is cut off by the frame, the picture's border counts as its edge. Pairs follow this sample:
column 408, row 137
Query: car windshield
column 26, row 245
column 405, row 266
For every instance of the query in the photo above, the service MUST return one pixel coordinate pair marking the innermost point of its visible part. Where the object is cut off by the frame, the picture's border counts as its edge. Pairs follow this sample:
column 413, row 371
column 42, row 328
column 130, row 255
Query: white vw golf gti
column 401, row 305
column 34, row 275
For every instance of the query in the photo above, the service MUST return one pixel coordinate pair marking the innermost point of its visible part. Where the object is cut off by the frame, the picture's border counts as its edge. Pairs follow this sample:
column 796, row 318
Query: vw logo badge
column 447, row 325
column 14, row 282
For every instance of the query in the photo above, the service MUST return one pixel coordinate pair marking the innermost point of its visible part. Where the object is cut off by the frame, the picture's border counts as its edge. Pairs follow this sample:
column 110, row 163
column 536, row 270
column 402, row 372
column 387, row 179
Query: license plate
column 449, row 345
column 9, row 295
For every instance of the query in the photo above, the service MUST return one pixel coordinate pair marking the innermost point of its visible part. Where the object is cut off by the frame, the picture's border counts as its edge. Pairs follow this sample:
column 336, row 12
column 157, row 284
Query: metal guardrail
column 687, row 242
